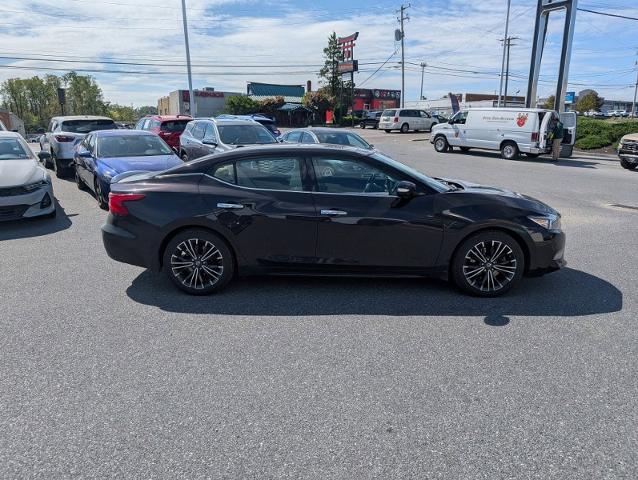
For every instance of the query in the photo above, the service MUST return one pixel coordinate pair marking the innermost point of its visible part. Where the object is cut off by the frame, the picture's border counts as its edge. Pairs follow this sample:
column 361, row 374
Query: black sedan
column 326, row 210
column 371, row 119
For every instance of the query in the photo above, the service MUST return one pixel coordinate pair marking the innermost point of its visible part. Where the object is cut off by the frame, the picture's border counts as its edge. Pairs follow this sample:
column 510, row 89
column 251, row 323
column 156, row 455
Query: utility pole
column 507, row 24
column 191, row 98
column 402, row 18
column 633, row 106
column 507, row 44
column 423, row 65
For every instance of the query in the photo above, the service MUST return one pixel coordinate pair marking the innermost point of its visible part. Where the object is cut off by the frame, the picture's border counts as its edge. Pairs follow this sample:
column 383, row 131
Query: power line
column 608, row 14
column 380, row 67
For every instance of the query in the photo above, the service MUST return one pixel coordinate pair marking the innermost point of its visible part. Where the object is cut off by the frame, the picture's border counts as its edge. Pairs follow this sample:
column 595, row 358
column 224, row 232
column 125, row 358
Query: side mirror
column 44, row 155
column 84, row 153
column 406, row 189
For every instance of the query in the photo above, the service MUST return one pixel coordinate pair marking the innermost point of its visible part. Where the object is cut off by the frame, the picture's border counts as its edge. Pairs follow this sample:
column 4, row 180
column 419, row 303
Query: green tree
column 241, row 105
column 121, row 113
column 329, row 73
column 319, row 102
column 83, row 95
column 146, row 110
column 589, row 101
column 549, row 103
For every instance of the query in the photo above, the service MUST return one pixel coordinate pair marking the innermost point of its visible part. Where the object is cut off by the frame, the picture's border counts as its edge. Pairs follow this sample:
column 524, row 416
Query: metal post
column 423, row 65
column 508, row 42
column 402, row 18
column 633, row 106
column 565, row 56
column 191, row 98
column 507, row 24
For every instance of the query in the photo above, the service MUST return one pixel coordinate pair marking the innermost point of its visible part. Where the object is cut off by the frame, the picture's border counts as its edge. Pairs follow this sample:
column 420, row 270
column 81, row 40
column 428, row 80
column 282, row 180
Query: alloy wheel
column 197, row 263
column 490, row 266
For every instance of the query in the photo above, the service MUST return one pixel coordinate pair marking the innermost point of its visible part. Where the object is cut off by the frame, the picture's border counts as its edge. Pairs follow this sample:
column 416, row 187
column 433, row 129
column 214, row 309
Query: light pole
column 507, row 24
column 423, row 65
column 191, row 97
column 633, row 105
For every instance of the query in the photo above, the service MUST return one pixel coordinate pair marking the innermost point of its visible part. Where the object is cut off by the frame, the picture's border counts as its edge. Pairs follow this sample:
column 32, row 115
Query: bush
column 592, row 133
column 347, row 121
column 591, row 142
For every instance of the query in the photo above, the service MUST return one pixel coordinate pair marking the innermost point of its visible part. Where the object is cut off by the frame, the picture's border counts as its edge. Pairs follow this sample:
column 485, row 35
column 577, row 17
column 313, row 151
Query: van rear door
column 543, row 142
column 568, row 119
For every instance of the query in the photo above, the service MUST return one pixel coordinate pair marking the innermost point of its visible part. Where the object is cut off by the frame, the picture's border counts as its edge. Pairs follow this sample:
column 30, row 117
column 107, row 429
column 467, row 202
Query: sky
column 135, row 48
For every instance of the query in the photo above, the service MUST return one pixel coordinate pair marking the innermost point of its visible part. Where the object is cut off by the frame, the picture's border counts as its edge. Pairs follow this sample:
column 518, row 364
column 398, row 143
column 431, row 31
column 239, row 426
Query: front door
column 266, row 208
column 458, row 134
column 364, row 226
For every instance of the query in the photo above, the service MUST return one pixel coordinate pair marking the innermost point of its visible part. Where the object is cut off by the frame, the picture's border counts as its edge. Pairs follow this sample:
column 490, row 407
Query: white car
column 406, row 119
column 57, row 145
column 25, row 186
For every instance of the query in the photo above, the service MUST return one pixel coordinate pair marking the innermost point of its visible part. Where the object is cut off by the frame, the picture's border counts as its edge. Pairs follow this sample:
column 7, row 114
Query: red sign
column 347, row 45
column 201, row 93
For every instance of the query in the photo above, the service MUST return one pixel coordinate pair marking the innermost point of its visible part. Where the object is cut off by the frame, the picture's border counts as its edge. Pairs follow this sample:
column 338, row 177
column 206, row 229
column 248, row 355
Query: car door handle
column 231, row 206
column 333, row 213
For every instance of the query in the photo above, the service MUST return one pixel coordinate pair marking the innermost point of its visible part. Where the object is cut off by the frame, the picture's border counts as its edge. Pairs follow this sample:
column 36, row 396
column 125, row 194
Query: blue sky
column 236, row 41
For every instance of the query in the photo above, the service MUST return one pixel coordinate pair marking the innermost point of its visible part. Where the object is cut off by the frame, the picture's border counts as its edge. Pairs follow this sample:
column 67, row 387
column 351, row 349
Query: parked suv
column 267, row 122
column 371, row 119
column 628, row 151
column 204, row 136
column 57, row 145
column 406, row 119
column 168, row 127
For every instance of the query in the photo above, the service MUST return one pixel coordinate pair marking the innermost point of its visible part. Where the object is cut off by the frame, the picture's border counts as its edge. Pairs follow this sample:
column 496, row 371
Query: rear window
column 389, row 113
column 173, row 126
column 245, row 134
column 86, row 126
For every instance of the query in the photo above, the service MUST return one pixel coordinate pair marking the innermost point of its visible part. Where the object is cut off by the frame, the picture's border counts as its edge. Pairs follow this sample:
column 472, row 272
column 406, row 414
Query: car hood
column 523, row 201
column 14, row 173
column 631, row 137
column 146, row 164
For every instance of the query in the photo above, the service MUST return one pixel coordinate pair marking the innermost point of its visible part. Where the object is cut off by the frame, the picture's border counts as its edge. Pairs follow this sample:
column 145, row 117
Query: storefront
column 376, row 99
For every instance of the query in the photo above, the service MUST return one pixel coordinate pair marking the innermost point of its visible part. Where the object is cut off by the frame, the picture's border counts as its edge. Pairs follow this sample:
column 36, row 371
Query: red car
column 168, row 127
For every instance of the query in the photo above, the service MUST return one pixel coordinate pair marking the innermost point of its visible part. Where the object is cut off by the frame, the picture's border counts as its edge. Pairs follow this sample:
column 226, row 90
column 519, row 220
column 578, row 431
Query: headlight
column 549, row 222
column 34, row 186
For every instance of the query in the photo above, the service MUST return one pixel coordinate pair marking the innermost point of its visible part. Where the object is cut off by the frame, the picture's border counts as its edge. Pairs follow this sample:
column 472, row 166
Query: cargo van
column 511, row 130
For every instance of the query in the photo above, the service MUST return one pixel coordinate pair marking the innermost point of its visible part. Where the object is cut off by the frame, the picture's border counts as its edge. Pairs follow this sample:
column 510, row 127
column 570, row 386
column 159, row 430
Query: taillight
column 395, row 119
column 64, row 138
column 535, row 136
column 117, row 200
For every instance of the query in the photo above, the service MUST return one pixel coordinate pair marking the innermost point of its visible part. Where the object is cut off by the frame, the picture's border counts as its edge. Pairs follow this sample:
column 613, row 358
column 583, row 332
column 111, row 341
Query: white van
column 406, row 119
column 510, row 130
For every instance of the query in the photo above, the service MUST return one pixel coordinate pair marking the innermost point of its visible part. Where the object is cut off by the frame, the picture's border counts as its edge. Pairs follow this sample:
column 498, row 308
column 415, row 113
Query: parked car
column 439, row 118
column 509, row 130
column 628, row 151
column 327, row 210
column 25, row 186
column 269, row 123
column 334, row 136
column 371, row 119
column 57, row 145
column 406, row 119
column 168, row 127
column 103, row 155
column 205, row 136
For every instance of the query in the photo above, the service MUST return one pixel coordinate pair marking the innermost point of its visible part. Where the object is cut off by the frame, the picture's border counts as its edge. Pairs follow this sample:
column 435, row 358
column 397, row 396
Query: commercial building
column 12, row 121
column 208, row 102
column 376, row 99
column 292, row 113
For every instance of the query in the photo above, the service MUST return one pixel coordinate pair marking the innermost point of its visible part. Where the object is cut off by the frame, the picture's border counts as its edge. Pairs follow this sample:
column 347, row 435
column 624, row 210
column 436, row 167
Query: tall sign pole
column 507, row 25
column 348, row 64
column 191, row 98
column 402, row 18
column 633, row 105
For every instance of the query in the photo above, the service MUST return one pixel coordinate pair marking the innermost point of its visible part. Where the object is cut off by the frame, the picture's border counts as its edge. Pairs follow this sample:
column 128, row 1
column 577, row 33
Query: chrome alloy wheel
column 490, row 266
column 197, row 263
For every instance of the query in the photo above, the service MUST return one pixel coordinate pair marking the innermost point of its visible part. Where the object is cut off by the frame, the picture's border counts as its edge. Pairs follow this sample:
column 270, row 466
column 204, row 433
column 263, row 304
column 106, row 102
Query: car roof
column 8, row 134
column 327, row 130
column 81, row 117
column 121, row 132
column 164, row 118
column 229, row 121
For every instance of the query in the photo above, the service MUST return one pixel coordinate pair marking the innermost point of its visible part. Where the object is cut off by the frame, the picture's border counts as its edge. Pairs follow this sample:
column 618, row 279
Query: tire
column 184, row 157
column 57, row 168
column 440, row 144
column 626, row 165
column 405, row 128
column 465, row 149
column 532, row 155
column 362, row 126
column 480, row 270
column 103, row 204
column 388, row 131
column 78, row 181
column 178, row 258
column 509, row 151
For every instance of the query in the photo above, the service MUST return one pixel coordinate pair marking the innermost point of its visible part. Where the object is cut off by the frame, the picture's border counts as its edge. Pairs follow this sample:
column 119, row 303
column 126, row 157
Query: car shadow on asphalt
column 566, row 293
column 563, row 162
column 35, row 227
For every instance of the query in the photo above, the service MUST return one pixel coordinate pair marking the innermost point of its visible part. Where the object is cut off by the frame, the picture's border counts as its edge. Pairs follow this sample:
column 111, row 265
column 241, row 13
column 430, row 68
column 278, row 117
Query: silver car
column 57, row 145
column 335, row 136
column 25, row 186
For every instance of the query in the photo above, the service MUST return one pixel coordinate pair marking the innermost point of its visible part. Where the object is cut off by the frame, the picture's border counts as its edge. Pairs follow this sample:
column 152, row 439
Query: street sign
column 570, row 97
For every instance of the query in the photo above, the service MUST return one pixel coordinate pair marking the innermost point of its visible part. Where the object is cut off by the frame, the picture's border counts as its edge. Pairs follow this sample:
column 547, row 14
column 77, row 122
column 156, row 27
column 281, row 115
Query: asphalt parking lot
column 108, row 371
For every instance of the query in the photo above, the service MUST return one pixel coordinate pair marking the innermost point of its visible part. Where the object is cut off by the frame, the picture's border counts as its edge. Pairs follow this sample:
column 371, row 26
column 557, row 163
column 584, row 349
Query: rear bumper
column 123, row 246
column 549, row 253
column 389, row 126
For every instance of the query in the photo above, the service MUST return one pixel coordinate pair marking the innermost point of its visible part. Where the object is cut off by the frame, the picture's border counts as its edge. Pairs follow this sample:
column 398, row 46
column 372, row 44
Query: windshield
column 86, row 126
column 131, row 146
column 12, row 149
column 174, row 126
column 245, row 135
column 430, row 182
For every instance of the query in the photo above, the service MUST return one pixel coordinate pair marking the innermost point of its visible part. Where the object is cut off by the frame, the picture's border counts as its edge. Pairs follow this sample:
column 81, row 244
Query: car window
column 389, row 113
column 90, row 144
column 86, row 126
column 460, row 118
column 174, row 126
column 225, row 172
column 307, row 138
column 245, row 134
column 349, row 175
column 335, row 138
column 270, row 173
column 357, row 141
column 209, row 133
column 294, row 137
column 424, row 114
column 154, row 124
column 13, row 149
column 198, row 130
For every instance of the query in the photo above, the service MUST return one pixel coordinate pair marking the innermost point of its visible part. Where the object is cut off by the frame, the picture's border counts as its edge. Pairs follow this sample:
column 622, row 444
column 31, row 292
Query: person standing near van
column 557, row 139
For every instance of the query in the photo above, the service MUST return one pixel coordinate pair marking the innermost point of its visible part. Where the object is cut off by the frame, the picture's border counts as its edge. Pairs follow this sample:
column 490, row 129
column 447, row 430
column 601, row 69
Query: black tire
column 179, row 253
column 509, row 150
column 625, row 164
column 440, row 144
column 405, row 128
column 99, row 196
column 184, row 157
column 532, row 155
column 387, row 131
column 362, row 126
column 465, row 149
column 78, row 181
column 488, row 264
column 375, row 127
column 57, row 168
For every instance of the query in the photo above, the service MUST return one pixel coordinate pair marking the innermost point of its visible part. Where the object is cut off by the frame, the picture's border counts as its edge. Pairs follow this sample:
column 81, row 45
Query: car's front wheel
column 184, row 157
column 440, row 144
column 625, row 164
column 198, row 262
column 488, row 264
column 99, row 195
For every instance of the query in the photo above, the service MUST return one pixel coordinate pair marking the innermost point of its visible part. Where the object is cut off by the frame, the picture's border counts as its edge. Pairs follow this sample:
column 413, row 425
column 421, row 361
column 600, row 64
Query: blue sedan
column 106, row 153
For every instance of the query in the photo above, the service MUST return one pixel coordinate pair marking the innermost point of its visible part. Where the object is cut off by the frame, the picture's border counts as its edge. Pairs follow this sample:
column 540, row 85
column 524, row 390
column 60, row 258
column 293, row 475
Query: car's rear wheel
column 488, row 264
column 362, row 125
column 57, row 168
column 509, row 151
column 198, row 262
column 440, row 144
column 404, row 128
column 625, row 164
column 101, row 201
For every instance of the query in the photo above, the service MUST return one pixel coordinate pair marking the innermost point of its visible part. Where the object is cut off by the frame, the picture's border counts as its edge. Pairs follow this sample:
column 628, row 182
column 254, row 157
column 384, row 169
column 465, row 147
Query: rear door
column 568, row 119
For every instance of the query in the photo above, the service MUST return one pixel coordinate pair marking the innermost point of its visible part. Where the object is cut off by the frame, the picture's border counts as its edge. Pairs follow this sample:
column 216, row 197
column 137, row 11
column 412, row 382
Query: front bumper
column 630, row 156
column 548, row 253
column 34, row 204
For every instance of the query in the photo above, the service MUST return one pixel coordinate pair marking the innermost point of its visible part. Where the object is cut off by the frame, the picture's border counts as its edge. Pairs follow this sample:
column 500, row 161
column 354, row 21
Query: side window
column 460, row 118
column 225, row 172
column 198, row 130
column 294, row 137
column 209, row 133
column 189, row 128
column 153, row 124
column 270, row 173
column 307, row 138
column 424, row 114
column 90, row 144
column 356, row 142
column 349, row 175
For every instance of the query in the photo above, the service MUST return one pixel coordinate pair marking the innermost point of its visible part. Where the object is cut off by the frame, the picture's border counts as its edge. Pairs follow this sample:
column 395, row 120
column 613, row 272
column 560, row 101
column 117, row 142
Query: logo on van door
column 521, row 119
